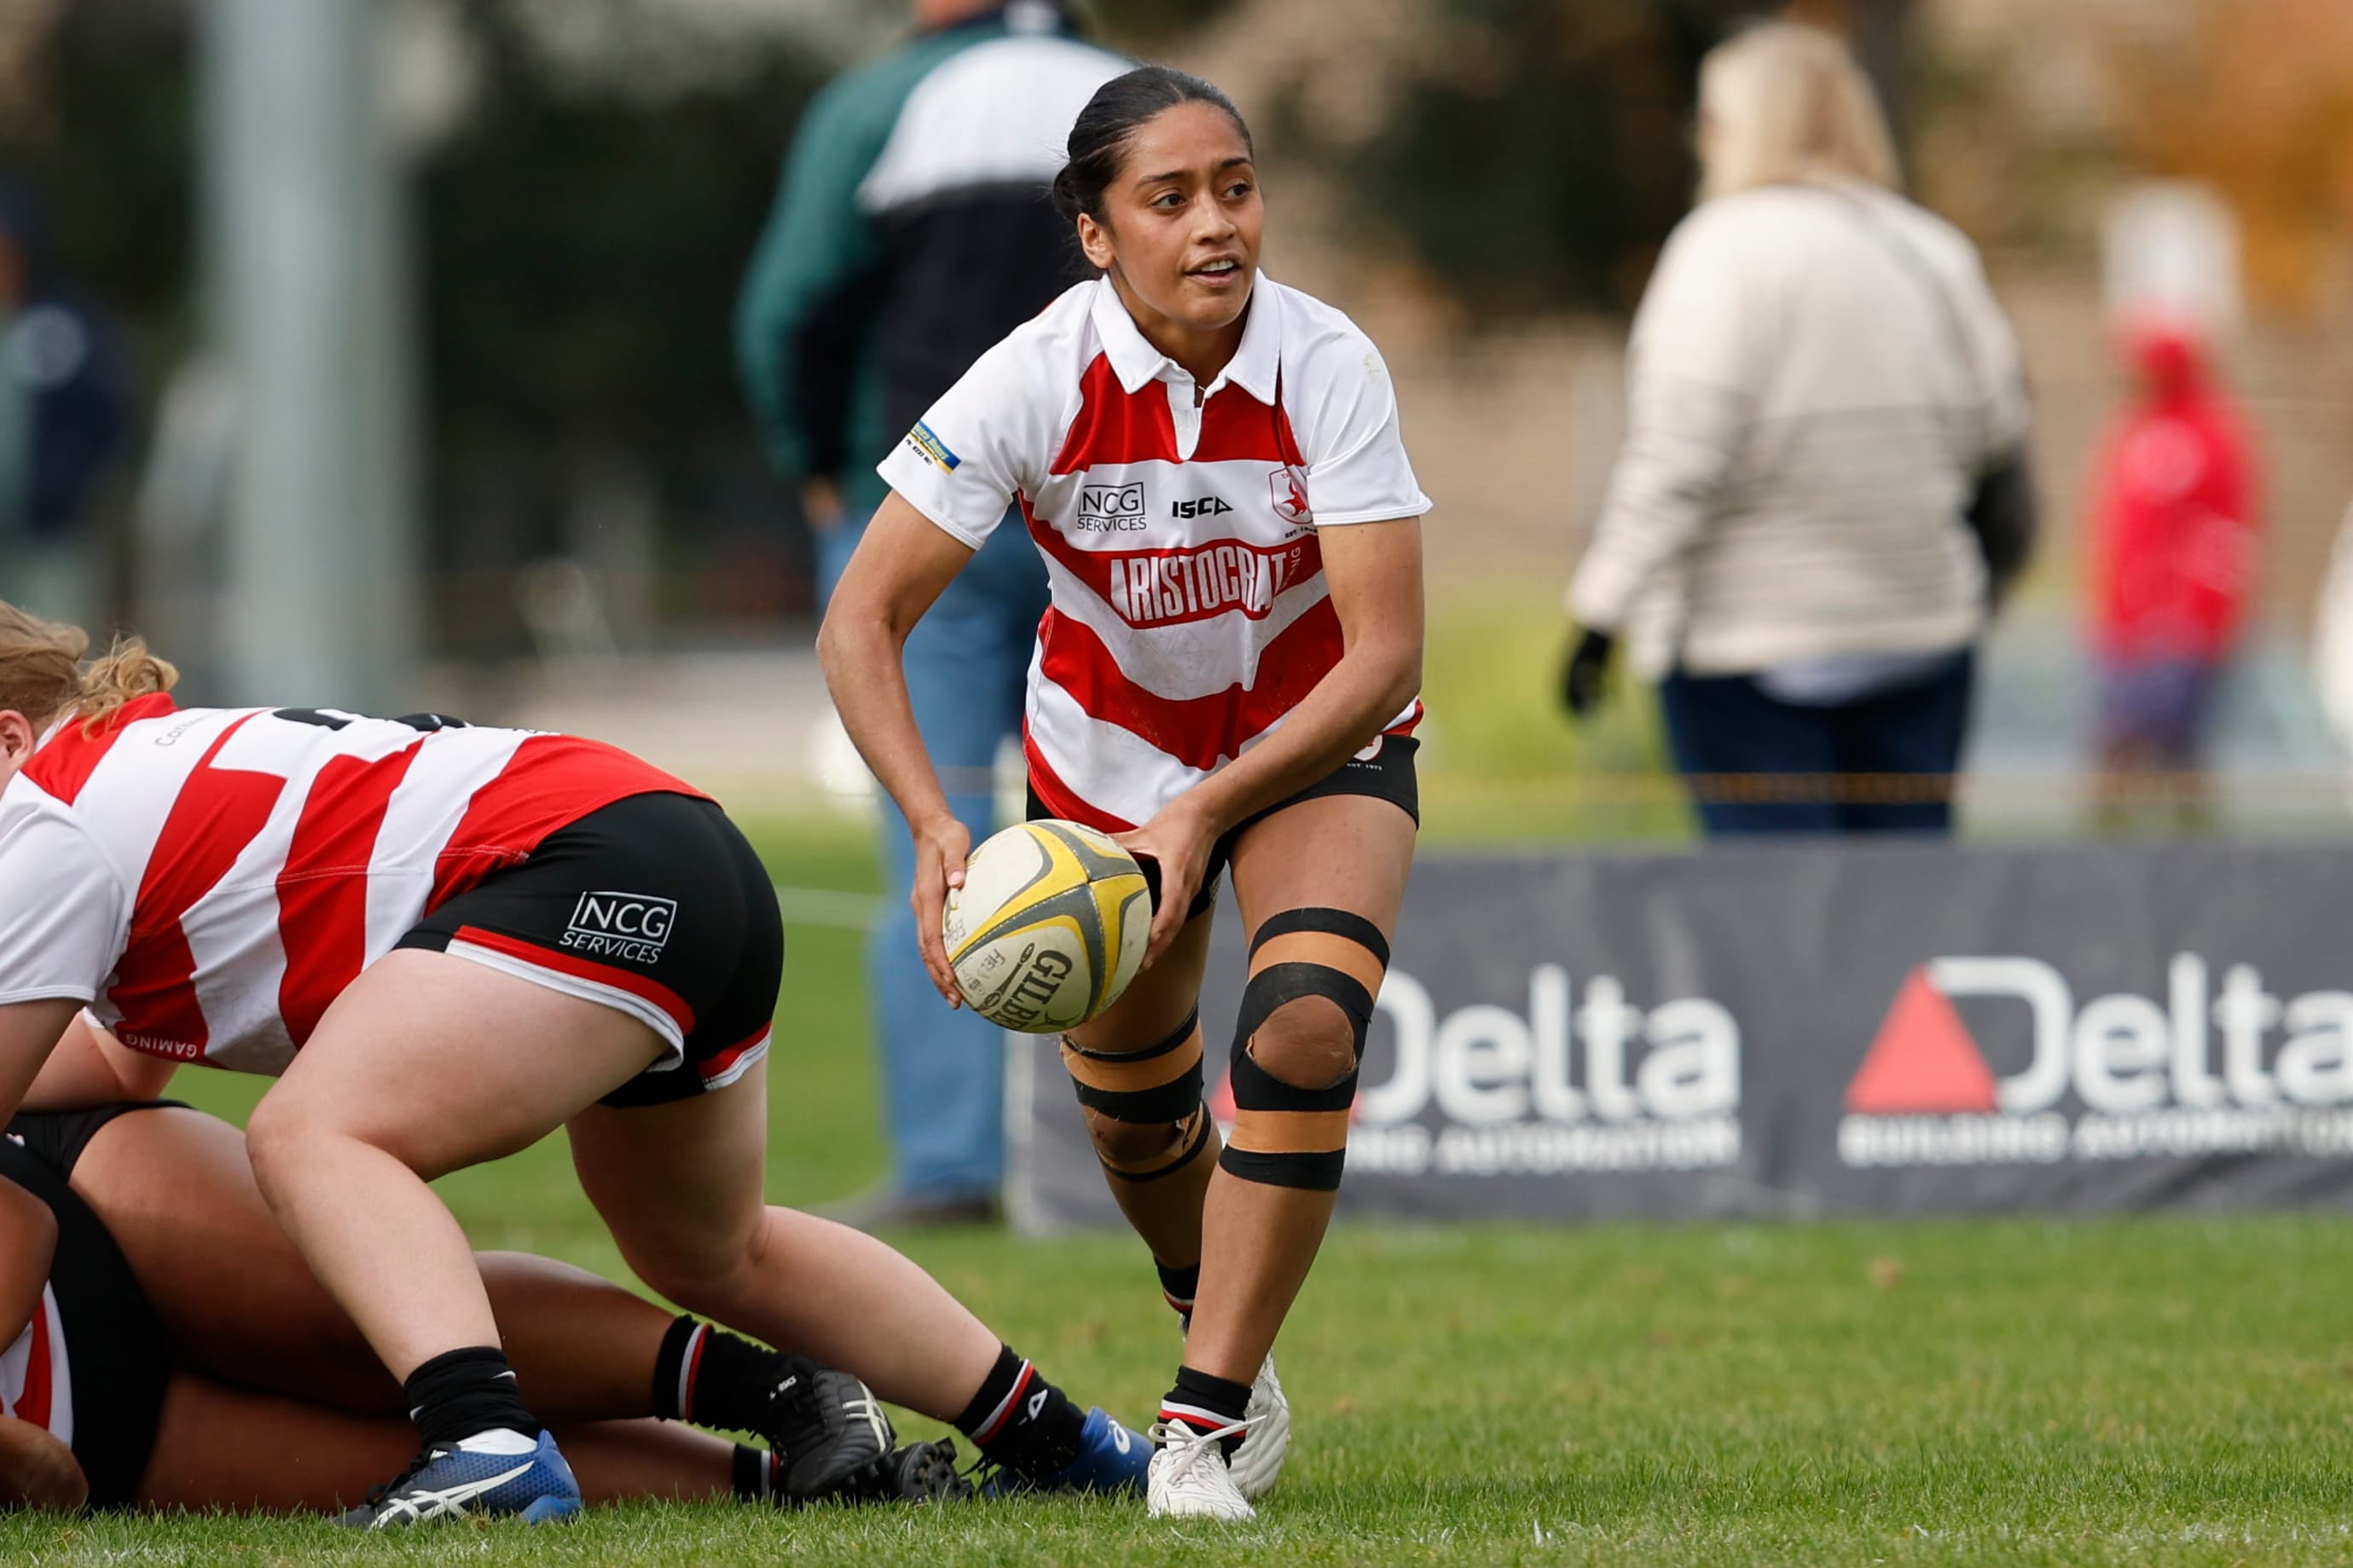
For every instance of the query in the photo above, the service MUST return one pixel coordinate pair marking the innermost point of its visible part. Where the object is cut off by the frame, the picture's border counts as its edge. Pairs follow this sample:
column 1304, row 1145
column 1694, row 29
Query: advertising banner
column 1799, row 1030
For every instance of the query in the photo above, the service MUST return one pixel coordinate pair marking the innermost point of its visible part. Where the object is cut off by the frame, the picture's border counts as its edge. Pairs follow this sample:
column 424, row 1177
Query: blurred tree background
column 581, row 222
column 1530, row 156
column 584, row 205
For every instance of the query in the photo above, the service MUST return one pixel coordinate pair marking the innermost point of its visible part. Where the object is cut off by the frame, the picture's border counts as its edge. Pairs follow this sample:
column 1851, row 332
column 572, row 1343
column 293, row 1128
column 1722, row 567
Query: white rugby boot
column 1188, row 1478
column 1258, row 1463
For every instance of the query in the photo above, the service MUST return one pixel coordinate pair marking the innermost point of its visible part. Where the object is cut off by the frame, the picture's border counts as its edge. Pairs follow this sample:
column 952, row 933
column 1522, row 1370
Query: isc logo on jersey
column 1049, row 928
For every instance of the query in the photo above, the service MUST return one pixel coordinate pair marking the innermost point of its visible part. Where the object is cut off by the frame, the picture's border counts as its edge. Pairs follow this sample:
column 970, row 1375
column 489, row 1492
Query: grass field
column 2160, row 1392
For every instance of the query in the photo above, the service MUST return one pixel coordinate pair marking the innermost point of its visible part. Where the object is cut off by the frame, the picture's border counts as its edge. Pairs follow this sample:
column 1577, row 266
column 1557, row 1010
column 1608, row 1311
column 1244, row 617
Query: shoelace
column 376, row 1494
column 1188, row 1454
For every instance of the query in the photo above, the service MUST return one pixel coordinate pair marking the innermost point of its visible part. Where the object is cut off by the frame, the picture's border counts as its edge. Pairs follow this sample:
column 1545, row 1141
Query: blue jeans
column 1727, row 725
column 967, row 667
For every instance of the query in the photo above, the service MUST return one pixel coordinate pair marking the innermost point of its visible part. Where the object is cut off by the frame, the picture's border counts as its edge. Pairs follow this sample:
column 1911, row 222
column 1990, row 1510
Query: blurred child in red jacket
column 2174, row 540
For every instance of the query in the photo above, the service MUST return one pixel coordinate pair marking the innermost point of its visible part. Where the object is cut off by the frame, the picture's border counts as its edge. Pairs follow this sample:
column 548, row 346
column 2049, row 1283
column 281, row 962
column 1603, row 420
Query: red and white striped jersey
column 210, row 880
column 36, row 1378
column 1190, row 611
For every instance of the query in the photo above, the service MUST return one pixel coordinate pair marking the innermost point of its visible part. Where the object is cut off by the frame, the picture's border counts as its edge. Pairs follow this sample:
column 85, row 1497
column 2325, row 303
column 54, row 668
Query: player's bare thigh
column 174, row 1189
column 444, row 1063
column 1334, row 852
column 1157, row 1000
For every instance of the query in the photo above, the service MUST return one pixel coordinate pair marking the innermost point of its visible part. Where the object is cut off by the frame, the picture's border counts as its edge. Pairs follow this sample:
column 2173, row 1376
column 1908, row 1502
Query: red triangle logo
column 1925, row 1061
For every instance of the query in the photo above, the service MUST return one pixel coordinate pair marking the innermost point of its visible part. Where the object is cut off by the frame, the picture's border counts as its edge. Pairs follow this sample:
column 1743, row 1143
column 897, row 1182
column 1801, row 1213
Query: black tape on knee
column 1121, row 1085
column 1255, row 1089
column 1193, row 1133
column 1281, row 984
column 1330, row 953
column 1354, row 928
column 1286, row 1135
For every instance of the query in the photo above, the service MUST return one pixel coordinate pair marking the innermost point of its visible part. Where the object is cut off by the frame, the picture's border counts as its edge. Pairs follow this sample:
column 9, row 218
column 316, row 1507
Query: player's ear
column 16, row 738
column 1095, row 239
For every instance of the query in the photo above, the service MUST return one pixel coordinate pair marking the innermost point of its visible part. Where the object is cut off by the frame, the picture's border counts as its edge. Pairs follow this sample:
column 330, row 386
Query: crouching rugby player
column 447, row 941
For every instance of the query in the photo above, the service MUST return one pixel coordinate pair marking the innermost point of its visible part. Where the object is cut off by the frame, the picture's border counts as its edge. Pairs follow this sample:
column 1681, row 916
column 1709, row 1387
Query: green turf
column 2167, row 1391
column 2159, row 1392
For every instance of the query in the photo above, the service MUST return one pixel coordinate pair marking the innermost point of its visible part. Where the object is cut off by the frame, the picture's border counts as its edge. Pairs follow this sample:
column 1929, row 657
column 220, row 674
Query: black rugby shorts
column 655, row 906
column 1385, row 770
column 116, row 1363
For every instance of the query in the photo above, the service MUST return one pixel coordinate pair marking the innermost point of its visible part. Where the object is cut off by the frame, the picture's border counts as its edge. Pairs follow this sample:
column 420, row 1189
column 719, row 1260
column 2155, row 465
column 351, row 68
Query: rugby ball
column 1049, row 928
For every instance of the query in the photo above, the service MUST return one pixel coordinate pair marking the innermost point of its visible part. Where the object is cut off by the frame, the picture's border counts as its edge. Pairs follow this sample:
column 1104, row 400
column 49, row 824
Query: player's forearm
column 29, row 1032
column 1358, row 699
column 865, row 670
column 90, row 1068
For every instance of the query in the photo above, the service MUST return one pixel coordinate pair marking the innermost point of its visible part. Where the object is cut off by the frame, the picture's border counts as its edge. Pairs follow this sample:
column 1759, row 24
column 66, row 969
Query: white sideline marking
column 826, row 907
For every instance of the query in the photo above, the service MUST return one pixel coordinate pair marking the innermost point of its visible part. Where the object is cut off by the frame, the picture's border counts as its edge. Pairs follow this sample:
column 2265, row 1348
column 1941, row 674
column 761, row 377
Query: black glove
column 1585, row 679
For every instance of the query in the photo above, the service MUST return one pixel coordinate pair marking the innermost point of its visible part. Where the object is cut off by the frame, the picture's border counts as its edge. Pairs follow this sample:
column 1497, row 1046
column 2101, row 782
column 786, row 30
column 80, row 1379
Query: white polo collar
column 1256, row 366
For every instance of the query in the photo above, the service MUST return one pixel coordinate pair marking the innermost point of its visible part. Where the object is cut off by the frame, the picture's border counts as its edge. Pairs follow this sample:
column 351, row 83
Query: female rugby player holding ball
column 448, row 943
column 1212, row 465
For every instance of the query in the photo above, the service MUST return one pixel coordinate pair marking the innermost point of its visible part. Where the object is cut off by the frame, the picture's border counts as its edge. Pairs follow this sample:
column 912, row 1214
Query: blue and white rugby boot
column 532, row 1483
column 1112, row 1459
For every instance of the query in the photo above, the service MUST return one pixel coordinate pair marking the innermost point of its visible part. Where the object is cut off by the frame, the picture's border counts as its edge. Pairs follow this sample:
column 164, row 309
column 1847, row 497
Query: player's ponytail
column 1120, row 108
column 124, row 673
column 43, row 677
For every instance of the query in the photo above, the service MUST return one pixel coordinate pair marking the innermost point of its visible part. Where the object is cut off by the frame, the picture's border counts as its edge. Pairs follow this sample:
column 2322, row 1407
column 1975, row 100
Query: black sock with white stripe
column 463, row 1394
column 1207, row 1404
column 755, row 1478
column 1022, row 1422
column 709, row 1376
column 1179, row 1287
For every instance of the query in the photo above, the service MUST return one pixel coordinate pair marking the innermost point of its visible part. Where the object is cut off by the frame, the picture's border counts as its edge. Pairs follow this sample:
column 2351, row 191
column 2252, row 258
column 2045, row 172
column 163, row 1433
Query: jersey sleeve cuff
column 1396, row 512
column 938, row 518
column 84, row 994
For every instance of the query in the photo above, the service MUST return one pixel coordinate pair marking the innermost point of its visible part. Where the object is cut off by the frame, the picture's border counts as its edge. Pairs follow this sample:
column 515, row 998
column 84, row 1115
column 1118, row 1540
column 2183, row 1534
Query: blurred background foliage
column 587, row 191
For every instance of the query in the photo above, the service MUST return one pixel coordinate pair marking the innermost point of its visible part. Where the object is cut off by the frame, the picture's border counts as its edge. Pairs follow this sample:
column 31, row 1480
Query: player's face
column 1182, row 225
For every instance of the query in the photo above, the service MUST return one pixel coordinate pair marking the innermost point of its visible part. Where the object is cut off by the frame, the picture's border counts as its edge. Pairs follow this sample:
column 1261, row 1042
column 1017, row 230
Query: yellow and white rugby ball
column 1049, row 928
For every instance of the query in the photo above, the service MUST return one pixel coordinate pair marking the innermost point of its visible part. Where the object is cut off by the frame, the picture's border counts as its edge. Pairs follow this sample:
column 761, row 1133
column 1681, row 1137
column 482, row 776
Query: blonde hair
column 43, row 677
column 1783, row 103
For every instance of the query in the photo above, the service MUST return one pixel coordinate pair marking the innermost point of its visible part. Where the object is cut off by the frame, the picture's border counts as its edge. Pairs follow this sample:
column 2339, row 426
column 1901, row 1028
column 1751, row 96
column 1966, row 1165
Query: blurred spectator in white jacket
column 1823, row 483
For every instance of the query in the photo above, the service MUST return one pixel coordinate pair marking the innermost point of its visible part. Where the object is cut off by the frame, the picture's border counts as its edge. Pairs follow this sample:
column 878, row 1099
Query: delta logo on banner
column 1584, row 1078
column 2223, row 1068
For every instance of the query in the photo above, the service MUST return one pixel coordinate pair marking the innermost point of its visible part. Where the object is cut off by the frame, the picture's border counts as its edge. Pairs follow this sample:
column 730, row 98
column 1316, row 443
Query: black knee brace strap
column 1160, row 1085
column 1285, row 1135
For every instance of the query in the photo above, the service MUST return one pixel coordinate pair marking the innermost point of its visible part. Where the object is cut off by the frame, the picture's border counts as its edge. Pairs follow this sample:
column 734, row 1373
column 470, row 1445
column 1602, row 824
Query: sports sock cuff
column 674, row 1369
column 1179, row 1286
column 1022, row 1422
column 463, row 1392
column 736, row 1385
column 754, row 1474
column 989, row 1408
column 1207, row 1404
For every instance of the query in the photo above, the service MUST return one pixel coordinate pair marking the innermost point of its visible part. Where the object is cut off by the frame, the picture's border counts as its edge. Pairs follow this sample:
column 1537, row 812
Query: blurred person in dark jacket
column 64, row 415
column 912, row 230
column 2174, row 534
column 1823, row 399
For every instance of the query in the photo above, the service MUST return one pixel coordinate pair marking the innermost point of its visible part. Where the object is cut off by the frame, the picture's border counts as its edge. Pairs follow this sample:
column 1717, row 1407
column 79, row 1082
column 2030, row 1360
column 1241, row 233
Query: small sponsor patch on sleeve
column 931, row 449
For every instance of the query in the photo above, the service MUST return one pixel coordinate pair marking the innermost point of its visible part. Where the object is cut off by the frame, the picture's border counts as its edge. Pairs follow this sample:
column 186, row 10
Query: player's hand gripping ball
column 1050, row 926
